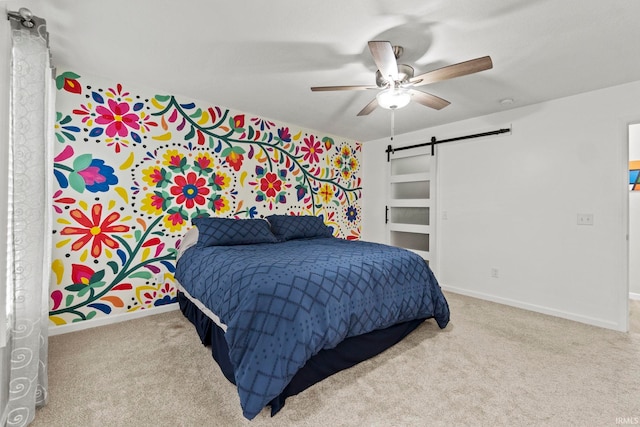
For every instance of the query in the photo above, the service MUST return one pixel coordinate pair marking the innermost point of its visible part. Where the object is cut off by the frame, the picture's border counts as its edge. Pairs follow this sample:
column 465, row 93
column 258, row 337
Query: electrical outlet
column 585, row 219
column 494, row 273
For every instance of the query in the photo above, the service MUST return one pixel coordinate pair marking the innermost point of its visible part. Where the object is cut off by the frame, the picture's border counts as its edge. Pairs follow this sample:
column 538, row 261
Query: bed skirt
column 325, row 363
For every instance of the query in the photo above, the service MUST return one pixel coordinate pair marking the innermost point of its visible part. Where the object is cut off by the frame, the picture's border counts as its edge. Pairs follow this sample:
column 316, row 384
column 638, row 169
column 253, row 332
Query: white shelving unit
column 411, row 201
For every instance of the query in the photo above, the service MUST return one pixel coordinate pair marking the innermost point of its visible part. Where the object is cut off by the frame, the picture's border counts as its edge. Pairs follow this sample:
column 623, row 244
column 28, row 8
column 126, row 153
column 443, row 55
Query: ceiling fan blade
column 385, row 59
column 329, row 88
column 369, row 107
column 451, row 71
column 428, row 100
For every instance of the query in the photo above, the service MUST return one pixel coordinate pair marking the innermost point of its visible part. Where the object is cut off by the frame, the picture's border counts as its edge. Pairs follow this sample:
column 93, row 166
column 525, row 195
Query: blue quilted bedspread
column 284, row 302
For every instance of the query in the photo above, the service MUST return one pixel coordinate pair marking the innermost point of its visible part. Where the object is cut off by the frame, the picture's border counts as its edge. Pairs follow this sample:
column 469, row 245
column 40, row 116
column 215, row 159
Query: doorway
column 634, row 227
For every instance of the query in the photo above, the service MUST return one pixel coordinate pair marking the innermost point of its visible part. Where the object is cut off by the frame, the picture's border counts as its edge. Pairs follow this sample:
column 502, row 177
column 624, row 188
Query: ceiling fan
column 397, row 80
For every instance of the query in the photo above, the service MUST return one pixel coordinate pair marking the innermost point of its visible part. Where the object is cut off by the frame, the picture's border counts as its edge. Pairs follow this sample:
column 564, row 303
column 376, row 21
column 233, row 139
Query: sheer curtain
column 28, row 268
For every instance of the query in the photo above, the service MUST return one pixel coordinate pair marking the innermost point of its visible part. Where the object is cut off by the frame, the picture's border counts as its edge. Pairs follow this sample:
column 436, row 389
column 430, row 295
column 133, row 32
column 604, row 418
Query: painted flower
column 345, row 162
column 270, row 184
column 94, row 229
column 326, row 193
column 81, row 274
column 352, row 213
column 238, row 122
column 68, row 81
column 98, row 176
column 154, row 203
column 234, row 159
column 175, row 221
column 203, row 163
column 63, row 129
column 190, row 190
column 117, row 118
column 154, row 175
column 174, row 159
column 311, row 149
column 219, row 204
column 220, row 180
column 284, row 134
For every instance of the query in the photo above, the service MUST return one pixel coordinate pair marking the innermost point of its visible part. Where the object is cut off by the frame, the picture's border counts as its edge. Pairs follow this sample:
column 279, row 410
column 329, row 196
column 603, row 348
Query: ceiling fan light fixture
column 393, row 98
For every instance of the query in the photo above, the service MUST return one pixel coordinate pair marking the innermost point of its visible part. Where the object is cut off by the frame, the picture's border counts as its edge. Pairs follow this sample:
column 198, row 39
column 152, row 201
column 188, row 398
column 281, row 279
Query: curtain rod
column 434, row 141
column 24, row 19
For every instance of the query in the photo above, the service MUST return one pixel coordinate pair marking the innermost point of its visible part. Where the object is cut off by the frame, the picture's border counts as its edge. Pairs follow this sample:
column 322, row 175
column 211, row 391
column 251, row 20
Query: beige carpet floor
column 492, row 366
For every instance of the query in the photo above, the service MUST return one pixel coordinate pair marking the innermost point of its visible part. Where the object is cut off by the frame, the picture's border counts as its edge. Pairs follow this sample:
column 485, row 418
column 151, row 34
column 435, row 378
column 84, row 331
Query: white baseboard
column 109, row 320
column 537, row 308
column 634, row 296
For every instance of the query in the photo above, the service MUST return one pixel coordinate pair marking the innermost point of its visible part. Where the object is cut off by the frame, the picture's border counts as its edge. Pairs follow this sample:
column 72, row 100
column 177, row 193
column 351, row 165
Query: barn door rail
column 390, row 150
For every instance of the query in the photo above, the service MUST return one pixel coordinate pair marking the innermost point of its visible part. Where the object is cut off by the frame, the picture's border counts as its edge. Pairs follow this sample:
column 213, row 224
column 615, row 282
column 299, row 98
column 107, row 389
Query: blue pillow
column 288, row 227
column 228, row 231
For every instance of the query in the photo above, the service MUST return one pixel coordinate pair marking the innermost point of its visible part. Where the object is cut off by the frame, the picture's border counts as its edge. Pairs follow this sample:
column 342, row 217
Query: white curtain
column 28, row 270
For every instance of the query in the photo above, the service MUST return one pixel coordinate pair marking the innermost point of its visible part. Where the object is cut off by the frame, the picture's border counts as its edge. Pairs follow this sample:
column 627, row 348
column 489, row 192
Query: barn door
column 410, row 215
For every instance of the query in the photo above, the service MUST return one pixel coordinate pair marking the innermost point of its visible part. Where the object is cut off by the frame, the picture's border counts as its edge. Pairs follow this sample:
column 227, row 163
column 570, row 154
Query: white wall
column 634, row 218
column 512, row 202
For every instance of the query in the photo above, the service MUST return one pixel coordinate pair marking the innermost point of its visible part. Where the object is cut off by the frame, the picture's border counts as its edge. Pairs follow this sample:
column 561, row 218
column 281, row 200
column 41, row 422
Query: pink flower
column 311, row 150
column 117, row 118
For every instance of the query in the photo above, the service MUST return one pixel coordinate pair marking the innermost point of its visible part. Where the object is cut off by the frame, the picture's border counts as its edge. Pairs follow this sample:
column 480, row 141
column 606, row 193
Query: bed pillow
column 228, row 231
column 288, row 227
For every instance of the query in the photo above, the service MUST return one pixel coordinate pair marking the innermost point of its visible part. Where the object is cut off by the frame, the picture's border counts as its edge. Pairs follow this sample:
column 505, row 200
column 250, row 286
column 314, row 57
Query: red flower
column 71, row 85
column 204, row 162
column 81, row 274
column 270, row 184
column 190, row 191
column 94, row 229
column 117, row 117
column 235, row 160
column 311, row 150
column 238, row 121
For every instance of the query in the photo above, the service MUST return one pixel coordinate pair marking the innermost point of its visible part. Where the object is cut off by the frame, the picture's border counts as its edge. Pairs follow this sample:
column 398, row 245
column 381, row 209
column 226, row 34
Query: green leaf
column 76, row 181
column 69, row 300
column 137, row 234
column 191, row 134
column 91, row 315
column 82, row 162
column 98, row 284
column 162, row 98
column 99, row 275
column 142, row 275
column 84, row 290
column 75, row 287
column 114, row 266
column 69, row 75
column 196, row 114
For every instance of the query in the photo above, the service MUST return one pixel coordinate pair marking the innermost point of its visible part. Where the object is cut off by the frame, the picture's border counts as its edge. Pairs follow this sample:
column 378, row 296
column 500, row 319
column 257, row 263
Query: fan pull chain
column 393, row 125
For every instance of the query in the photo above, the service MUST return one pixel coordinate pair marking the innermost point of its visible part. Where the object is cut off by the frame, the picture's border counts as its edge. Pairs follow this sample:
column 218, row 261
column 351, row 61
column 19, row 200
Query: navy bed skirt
column 348, row 353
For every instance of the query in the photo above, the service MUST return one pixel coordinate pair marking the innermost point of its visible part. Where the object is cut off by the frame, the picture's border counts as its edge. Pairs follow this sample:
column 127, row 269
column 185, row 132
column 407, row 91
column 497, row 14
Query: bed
column 284, row 304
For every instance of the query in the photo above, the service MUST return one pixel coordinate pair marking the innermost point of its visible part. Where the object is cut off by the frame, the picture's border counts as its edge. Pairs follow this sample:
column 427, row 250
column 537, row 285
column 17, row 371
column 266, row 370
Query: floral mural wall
column 132, row 169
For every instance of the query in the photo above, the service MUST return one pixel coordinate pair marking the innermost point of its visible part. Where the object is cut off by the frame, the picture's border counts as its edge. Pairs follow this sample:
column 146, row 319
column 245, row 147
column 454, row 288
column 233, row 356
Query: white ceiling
column 261, row 57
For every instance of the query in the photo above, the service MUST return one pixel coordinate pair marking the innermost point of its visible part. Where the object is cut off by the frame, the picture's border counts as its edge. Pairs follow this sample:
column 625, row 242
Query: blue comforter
column 284, row 302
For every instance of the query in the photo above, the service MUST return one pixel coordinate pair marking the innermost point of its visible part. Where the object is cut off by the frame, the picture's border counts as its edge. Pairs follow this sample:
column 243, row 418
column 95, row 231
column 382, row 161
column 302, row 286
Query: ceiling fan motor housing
column 405, row 72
